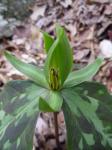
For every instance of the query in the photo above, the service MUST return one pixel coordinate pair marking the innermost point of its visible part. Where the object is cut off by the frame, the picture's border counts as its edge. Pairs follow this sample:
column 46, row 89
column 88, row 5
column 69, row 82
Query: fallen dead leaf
column 65, row 3
column 72, row 29
column 38, row 11
column 81, row 54
column 108, row 9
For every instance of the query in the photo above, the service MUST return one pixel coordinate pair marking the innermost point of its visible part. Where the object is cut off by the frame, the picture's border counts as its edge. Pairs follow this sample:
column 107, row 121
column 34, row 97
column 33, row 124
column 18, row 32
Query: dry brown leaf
column 38, row 11
column 72, row 29
column 65, row 3
column 108, row 9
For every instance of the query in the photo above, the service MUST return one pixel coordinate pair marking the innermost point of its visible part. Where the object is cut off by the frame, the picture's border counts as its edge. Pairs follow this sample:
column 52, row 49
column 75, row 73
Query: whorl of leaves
column 87, row 106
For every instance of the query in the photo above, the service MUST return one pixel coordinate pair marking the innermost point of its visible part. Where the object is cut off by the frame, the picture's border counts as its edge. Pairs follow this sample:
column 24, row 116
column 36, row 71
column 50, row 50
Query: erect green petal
column 48, row 41
column 33, row 72
column 77, row 77
column 19, row 109
column 59, row 58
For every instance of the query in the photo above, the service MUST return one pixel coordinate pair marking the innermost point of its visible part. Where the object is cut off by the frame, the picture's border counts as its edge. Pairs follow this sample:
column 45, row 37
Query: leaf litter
column 87, row 22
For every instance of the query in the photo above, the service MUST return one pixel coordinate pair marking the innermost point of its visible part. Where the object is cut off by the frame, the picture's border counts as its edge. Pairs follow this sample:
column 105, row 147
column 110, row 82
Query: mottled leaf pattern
column 70, row 126
column 95, row 90
column 92, row 128
column 19, row 110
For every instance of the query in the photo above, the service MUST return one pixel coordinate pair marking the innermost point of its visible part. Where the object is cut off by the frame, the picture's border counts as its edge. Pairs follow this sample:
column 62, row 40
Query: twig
column 56, row 128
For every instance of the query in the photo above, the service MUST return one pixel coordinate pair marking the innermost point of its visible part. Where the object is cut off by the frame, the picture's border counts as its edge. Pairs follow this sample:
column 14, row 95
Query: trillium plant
column 86, row 105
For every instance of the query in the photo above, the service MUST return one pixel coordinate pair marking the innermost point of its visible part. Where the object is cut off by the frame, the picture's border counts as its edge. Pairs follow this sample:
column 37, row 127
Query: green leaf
column 70, row 126
column 19, row 109
column 58, row 30
column 77, row 77
column 95, row 90
column 76, row 138
column 33, row 72
column 48, row 41
column 104, row 113
column 51, row 101
column 59, row 58
column 90, row 130
column 55, row 100
column 44, row 106
column 98, row 91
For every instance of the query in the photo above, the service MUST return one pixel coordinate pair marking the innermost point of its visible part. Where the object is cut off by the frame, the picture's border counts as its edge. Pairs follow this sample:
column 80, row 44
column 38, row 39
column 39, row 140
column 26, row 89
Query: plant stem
column 56, row 128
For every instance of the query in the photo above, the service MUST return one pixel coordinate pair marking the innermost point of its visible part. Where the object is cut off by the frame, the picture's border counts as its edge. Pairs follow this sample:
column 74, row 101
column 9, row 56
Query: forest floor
column 87, row 23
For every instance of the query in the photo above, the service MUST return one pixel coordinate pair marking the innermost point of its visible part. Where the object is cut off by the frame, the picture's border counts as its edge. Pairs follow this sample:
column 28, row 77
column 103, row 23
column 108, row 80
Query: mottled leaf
column 95, row 90
column 70, row 126
column 90, row 130
column 19, row 109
